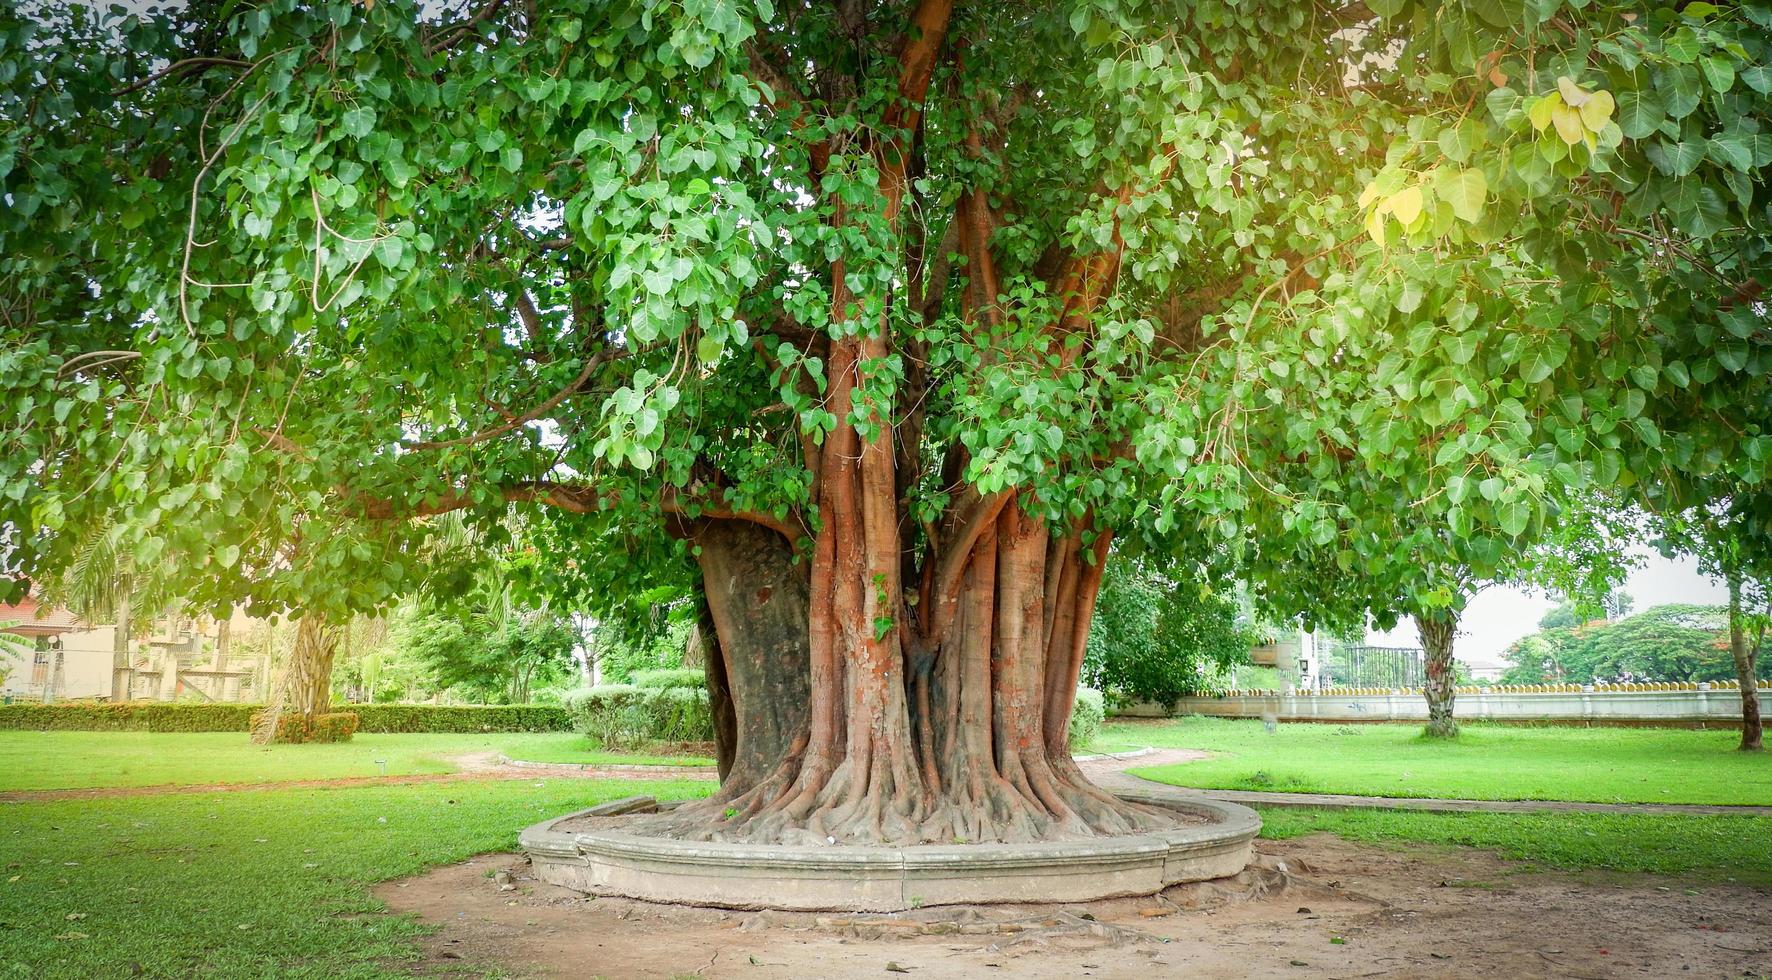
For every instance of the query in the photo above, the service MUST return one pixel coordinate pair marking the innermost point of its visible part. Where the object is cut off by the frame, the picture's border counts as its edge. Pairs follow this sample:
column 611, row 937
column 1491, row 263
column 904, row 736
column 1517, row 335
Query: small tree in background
column 1674, row 642
column 1158, row 636
column 1731, row 536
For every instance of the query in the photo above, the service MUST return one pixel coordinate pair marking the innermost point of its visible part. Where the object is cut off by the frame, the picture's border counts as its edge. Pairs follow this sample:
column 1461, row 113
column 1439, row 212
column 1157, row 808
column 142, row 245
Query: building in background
column 57, row 657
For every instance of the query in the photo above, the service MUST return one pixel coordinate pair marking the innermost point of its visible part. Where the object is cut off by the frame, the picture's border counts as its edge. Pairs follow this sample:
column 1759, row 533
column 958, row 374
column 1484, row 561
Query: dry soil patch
column 1424, row 913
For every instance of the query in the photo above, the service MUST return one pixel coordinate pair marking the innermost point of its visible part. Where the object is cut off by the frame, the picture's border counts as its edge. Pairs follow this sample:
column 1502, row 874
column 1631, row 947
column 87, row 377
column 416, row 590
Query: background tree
column 1675, row 642
column 1158, row 636
column 494, row 653
column 102, row 584
column 1570, row 612
column 1731, row 535
column 890, row 317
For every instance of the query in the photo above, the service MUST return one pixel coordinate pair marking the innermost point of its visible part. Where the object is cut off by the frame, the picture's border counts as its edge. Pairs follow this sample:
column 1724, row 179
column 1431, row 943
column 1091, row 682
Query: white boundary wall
column 1641, row 704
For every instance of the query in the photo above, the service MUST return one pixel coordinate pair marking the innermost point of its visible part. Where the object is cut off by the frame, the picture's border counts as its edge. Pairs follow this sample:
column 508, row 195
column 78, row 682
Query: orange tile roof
column 31, row 618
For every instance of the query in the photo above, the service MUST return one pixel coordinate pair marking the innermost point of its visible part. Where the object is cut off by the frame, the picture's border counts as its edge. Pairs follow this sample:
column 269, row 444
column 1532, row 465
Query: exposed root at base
column 787, row 811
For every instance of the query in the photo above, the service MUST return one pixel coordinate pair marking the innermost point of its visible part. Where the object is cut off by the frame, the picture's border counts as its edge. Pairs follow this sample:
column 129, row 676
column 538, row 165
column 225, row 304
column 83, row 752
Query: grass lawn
column 80, row 760
column 578, row 749
column 270, row 884
column 1707, row 848
column 1486, row 762
column 276, row 884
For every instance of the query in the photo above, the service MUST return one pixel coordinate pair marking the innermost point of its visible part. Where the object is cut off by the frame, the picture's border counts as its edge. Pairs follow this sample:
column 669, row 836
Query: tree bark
column 1437, row 631
column 852, row 720
column 757, row 655
column 122, row 667
column 725, row 716
column 1746, row 674
column 222, row 630
column 305, row 686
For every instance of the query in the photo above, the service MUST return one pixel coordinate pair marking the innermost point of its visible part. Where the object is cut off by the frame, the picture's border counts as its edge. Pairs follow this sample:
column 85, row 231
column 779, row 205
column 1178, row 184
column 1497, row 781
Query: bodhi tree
column 890, row 317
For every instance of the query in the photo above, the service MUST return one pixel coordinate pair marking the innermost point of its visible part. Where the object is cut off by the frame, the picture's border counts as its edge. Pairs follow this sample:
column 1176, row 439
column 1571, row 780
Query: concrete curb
column 505, row 760
column 891, row 879
column 1105, row 756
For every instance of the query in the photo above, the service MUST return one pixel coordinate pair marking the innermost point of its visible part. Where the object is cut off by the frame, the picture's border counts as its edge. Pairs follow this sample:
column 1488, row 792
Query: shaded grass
column 1486, row 762
column 1711, row 848
column 80, row 760
column 271, row 884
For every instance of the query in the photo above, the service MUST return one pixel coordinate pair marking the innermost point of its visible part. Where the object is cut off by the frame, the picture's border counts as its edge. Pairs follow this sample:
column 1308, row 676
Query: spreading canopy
column 276, row 272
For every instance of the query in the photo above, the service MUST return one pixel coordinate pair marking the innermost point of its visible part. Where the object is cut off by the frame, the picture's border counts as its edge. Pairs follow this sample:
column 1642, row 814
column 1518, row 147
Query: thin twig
column 179, row 67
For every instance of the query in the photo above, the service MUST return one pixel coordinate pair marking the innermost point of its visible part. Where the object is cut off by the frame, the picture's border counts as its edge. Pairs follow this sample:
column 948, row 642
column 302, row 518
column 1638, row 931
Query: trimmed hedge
column 1086, row 717
column 465, row 718
column 157, row 716
column 622, row 715
column 128, row 716
column 294, row 729
column 669, row 677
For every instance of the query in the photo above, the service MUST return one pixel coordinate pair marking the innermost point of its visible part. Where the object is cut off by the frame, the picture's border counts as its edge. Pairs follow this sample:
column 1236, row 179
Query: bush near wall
column 622, row 715
column 1086, row 717
column 151, row 716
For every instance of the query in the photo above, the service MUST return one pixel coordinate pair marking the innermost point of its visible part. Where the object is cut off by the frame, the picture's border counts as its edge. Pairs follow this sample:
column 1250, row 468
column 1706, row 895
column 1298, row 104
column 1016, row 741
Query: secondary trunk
column 756, row 655
column 305, row 686
column 1746, row 674
column 1437, row 630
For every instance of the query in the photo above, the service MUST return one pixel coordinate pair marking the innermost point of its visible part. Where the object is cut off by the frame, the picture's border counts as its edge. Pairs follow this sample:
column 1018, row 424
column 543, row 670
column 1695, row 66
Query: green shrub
column 463, row 718
column 673, row 677
column 155, row 716
column 1086, row 717
column 623, row 715
column 296, row 729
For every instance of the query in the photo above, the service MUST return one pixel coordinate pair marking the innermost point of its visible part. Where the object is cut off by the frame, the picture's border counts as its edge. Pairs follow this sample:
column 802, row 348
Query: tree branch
column 591, row 365
column 456, row 32
column 179, row 68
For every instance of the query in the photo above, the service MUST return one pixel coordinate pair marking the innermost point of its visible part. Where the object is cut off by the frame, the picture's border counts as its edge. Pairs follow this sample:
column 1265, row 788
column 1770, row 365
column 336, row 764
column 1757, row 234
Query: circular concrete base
column 891, row 879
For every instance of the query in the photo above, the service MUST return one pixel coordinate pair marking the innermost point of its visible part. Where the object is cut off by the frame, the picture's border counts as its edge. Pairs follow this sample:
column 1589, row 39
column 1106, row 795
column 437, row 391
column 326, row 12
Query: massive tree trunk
column 1746, row 674
column 864, row 711
column 906, row 679
column 1437, row 630
column 305, row 686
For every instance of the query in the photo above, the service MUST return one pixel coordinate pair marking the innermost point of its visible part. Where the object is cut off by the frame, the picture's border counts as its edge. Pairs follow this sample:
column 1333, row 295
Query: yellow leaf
column 1369, row 194
column 1405, row 204
column 1597, row 111
column 1572, row 93
column 1375, row 226
column 1540, row 112
column 1568, row 123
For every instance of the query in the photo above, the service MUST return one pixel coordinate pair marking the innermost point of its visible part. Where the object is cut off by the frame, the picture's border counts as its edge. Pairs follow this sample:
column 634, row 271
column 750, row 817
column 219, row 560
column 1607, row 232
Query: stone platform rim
column 877, row 878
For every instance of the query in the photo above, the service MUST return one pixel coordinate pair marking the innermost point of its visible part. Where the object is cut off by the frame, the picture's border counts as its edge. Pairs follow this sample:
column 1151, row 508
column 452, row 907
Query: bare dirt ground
column 1312, row 907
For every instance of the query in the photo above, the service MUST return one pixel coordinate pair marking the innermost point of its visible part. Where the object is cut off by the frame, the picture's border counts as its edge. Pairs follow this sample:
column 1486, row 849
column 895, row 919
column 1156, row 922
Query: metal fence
column 1351, row 665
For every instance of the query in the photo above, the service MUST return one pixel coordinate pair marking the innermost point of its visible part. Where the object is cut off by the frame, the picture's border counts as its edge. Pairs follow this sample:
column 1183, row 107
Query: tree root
column 796, row 806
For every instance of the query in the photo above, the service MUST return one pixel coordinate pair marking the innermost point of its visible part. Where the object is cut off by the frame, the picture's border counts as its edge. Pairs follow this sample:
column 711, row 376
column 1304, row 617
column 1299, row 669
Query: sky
column 1498, row 616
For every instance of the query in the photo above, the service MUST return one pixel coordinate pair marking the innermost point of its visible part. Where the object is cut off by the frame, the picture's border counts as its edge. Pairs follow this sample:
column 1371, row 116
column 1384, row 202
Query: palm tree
column 102, row 584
